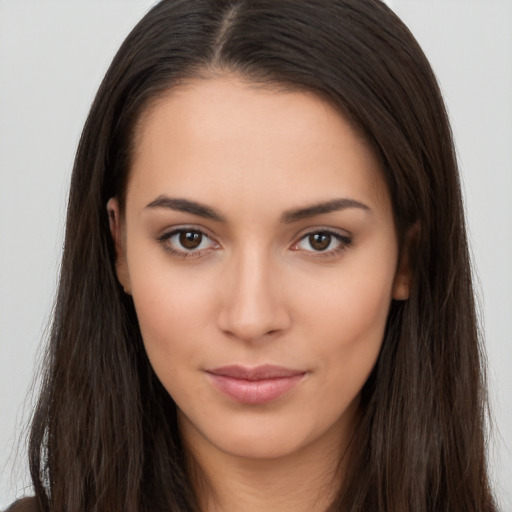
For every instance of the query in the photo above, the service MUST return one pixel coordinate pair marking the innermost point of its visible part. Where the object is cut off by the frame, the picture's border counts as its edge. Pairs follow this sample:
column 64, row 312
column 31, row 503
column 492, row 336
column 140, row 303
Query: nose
column 253, row 305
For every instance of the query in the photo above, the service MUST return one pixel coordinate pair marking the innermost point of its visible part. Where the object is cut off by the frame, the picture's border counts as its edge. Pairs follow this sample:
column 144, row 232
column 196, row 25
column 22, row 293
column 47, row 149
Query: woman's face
column 259, row 246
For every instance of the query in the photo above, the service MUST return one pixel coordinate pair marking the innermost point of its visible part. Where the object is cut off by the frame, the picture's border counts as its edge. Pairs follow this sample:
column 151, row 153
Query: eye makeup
column 186, row 242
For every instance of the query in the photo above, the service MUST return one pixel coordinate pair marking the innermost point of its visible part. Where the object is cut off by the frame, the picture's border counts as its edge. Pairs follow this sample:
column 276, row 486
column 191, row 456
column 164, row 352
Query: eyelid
column 167, row 234
column 344, row 239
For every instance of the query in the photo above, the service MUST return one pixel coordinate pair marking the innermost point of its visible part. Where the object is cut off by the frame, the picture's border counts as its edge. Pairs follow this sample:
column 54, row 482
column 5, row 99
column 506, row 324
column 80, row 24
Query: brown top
column 24, row 505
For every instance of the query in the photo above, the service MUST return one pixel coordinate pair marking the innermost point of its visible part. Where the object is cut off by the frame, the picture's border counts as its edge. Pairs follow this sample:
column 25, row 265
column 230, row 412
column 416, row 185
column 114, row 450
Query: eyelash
column 164, row 240
column 343, row 243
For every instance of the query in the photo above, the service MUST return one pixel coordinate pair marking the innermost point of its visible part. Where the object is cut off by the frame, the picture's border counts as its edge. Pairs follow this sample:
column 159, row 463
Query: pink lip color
column 254, row 385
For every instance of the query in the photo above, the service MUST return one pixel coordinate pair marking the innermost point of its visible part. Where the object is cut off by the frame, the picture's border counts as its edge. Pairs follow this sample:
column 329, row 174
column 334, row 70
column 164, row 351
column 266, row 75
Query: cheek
column 350, row 303
column 174, row 311
column 347, row 317
column 352, row 327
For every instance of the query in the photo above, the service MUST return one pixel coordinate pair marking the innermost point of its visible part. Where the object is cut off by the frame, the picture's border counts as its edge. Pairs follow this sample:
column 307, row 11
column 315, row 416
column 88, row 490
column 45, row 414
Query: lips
column 257, row 385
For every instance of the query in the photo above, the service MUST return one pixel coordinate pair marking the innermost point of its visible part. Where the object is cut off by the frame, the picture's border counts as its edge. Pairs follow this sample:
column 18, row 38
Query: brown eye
column 323, row 243
column 187, row 242
column 190, row 239
column 320, row 241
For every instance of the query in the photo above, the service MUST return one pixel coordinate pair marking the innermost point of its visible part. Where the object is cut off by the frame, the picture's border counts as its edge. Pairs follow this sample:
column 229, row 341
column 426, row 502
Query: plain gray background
column 53, row 55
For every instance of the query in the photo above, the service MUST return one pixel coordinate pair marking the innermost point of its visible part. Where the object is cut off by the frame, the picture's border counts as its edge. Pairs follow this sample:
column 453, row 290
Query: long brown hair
column 104, row 434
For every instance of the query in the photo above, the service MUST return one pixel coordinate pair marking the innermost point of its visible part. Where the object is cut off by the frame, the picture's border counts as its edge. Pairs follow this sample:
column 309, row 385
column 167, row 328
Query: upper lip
column 256, row 373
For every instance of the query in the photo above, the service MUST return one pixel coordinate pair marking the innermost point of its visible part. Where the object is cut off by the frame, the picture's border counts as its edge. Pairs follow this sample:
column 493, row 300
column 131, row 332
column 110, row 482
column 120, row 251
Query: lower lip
column 255, row 391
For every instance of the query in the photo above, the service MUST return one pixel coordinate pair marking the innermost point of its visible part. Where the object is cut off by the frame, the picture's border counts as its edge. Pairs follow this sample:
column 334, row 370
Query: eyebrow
column 187, row 206
column 288, row 217
column 334, row 205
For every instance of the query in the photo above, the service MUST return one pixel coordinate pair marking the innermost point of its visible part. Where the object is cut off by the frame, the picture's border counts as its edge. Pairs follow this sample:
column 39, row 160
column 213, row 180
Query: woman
column 265, row 300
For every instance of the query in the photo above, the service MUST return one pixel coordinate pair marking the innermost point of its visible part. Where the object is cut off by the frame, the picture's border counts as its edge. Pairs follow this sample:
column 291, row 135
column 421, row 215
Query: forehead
column 224, row 138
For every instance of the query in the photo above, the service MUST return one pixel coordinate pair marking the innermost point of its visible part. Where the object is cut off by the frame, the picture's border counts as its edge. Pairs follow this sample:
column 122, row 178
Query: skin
column 256, row 291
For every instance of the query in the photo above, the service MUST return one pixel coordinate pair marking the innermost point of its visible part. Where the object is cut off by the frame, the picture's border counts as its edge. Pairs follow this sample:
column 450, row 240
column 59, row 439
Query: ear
column 403, row 277
column 118, row 236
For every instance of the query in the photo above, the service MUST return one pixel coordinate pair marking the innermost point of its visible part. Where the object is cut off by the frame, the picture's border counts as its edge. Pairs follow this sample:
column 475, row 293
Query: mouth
column 254, row 386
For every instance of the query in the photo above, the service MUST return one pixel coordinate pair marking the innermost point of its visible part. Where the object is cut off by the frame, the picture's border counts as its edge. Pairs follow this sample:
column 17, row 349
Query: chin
column 261, row 447
column 259, row 436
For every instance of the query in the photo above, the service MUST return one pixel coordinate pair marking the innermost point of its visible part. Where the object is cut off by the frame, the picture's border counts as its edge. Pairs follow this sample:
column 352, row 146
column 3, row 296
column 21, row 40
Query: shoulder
column 25, row 505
